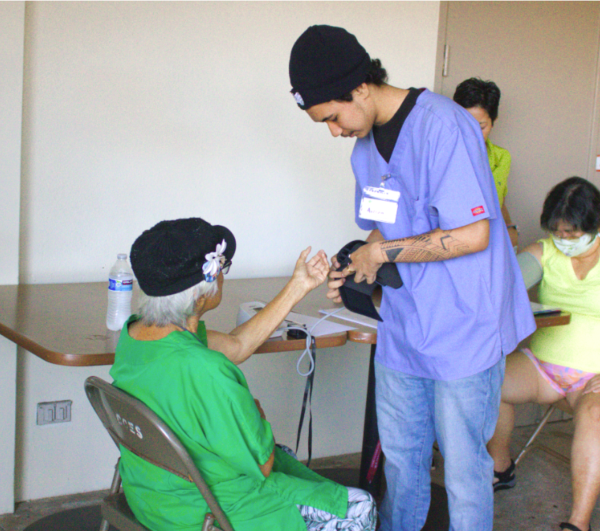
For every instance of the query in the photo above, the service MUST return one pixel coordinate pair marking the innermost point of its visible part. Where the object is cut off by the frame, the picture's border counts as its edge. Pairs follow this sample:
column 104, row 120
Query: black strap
column 308, row 389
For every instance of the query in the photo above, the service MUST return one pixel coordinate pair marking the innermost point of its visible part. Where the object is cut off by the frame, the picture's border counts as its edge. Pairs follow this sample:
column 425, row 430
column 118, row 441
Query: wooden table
column 65, row 324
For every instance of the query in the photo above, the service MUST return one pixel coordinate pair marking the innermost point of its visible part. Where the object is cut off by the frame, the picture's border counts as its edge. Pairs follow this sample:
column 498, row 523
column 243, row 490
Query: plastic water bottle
column 120, row 287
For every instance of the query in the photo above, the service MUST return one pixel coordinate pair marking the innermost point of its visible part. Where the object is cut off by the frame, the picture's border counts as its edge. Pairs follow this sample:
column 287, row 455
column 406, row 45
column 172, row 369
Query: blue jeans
column 412, row 413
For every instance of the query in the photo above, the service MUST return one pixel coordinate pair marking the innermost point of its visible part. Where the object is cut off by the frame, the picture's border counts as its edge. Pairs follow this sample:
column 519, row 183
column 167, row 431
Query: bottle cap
column 121, row 256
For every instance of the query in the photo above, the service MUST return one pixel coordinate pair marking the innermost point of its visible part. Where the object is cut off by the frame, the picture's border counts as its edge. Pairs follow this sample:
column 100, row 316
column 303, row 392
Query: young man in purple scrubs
column 425, row 192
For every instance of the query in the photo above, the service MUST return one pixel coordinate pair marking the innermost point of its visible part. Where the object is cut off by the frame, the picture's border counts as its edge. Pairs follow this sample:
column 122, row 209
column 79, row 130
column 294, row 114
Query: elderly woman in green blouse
column 188, row 376
column 481, row 99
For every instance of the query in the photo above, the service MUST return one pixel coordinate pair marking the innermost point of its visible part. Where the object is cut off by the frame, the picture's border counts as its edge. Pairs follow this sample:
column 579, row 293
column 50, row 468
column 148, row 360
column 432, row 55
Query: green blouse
column 205, row 400
column 500, row 164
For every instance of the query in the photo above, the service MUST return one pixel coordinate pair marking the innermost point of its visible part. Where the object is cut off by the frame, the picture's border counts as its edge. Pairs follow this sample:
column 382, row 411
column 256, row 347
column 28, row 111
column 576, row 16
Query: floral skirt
column 360, row 516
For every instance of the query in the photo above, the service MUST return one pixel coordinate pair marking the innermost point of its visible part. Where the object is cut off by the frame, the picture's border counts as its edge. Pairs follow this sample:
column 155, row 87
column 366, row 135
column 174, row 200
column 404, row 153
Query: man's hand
column 593, row 385
column 365, row 262
column 336, row 280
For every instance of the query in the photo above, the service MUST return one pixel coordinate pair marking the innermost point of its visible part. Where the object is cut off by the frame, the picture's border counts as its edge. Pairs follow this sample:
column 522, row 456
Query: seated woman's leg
column 523, row 383
column 361, row 514
column 585, row 456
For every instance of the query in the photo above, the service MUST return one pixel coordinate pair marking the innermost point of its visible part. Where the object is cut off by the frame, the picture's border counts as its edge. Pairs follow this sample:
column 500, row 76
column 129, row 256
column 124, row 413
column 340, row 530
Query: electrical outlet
column 54, row 412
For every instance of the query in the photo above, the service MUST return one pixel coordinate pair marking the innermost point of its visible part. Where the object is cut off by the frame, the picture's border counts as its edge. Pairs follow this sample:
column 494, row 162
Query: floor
column 539, row 502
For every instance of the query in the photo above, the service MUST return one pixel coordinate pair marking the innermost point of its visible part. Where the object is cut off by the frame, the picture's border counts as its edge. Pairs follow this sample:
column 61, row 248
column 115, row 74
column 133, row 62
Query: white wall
column 56, row 459
column 137, row 112
column 12, row 16
column 11, row 95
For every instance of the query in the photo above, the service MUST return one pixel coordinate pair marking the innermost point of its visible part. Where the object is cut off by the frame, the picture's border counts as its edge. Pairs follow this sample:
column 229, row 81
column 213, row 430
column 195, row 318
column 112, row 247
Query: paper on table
column 324, row 328
column 347, row 315
column 540, row 309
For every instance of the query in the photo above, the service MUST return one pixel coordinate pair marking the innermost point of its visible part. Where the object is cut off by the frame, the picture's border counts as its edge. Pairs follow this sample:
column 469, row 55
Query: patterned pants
column 360, row 516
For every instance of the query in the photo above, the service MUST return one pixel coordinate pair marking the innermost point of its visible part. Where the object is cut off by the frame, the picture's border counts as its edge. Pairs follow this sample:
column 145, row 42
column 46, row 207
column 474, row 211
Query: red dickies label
column 478, row 210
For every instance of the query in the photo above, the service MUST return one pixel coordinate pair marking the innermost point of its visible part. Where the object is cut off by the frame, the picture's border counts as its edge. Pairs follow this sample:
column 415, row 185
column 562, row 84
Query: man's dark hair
column 377, row 75
column 475, row 92
column 575, row 201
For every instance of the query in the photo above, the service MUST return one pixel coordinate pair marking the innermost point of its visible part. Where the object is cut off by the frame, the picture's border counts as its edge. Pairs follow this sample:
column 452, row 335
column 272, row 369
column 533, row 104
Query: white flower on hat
column 212, row 266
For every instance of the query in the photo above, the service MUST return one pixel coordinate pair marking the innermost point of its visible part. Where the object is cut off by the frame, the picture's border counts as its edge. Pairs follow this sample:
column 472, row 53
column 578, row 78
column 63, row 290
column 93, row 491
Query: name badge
column 379, row 204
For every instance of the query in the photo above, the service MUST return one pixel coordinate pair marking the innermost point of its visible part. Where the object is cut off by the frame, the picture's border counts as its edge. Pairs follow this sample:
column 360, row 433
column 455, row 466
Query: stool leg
column 370, row 436
column 542, row 423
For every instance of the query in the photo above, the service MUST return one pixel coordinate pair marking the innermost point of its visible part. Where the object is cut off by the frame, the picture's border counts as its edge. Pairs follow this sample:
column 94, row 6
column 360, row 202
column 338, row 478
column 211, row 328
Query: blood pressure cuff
column 531, row 269
column 358, row 296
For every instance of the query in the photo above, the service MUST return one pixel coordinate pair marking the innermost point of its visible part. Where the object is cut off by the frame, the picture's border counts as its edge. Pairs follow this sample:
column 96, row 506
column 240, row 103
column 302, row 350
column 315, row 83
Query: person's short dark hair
column 575, row 201
column 475, row 92
column 377, row 75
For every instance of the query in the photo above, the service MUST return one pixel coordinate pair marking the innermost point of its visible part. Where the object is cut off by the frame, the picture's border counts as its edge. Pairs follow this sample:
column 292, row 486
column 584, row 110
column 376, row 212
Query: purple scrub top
column 457, row 317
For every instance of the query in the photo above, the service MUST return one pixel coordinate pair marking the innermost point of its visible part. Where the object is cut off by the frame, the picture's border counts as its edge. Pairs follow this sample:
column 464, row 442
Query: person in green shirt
column 188, row 375
column 481, row 99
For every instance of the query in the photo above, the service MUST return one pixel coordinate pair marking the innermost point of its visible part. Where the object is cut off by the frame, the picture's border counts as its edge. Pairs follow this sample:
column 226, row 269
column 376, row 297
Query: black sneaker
column 571, row 527
column 506, row 479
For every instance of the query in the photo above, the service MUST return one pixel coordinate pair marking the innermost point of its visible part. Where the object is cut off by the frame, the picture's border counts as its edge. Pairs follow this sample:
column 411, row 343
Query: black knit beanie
column 326, row 62
column 168, row 258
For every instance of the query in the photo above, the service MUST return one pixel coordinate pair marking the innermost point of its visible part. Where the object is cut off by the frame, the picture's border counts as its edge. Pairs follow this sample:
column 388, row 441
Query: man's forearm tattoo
column 393, row 253
column 429, row 247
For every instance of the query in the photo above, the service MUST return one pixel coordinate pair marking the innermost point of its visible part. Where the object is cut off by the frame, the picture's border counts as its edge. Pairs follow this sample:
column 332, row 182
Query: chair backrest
column 136, row 427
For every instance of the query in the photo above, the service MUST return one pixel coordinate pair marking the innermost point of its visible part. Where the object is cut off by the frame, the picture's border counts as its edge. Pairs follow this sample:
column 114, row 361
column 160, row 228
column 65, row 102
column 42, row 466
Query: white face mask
column 575, row 247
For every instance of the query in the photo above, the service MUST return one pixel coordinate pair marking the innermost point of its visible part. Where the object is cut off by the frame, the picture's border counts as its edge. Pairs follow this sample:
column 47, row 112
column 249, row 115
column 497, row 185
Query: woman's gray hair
column 176, row 308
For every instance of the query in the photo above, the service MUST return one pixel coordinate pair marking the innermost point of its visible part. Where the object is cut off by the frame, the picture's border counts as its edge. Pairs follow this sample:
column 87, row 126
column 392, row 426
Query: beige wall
column 137, row 112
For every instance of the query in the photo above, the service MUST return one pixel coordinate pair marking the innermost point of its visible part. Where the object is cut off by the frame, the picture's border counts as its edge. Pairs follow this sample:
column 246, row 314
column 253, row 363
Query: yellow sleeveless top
column 576, row 345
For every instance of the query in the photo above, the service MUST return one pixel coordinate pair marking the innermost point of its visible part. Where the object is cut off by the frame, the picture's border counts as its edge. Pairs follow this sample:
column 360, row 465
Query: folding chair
column 563, row 406
column 136, row 427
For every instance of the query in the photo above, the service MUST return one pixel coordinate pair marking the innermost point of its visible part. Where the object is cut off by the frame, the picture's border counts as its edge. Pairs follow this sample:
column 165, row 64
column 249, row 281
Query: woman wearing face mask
column 562, row 361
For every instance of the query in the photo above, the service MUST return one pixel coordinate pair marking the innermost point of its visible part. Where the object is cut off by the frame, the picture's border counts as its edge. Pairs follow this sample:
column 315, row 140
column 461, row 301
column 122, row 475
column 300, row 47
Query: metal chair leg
column 542, row 423
column 114, row 489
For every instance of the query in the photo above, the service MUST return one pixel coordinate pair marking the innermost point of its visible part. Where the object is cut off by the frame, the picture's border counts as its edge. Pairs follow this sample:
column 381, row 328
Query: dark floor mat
column 80, row 519
column 88, row 518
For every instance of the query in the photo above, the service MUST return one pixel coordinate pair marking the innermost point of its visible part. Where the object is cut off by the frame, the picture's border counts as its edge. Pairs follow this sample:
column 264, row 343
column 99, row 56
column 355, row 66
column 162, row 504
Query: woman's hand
column 260, row 409
column 313, row 273
column 593, row 385
column 241, row 342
